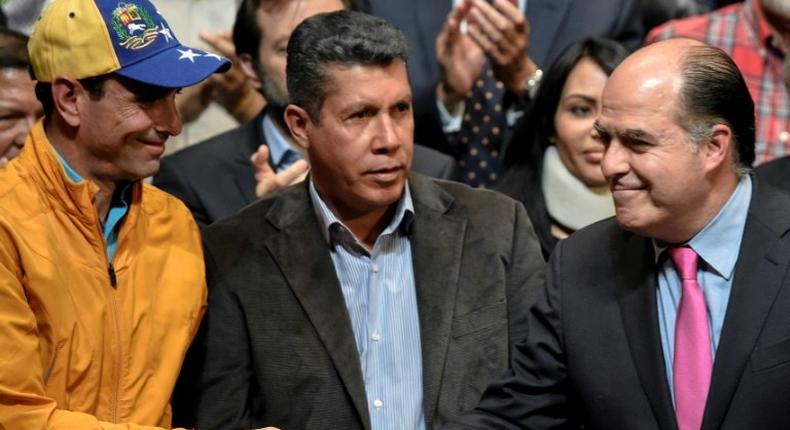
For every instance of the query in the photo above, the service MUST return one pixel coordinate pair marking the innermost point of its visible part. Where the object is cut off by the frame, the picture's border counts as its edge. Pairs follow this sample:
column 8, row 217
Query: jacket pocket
column 771, row 356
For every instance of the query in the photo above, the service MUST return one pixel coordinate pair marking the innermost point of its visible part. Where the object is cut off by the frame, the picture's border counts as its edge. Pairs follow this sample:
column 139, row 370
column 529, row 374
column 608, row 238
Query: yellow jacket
column 77, row 352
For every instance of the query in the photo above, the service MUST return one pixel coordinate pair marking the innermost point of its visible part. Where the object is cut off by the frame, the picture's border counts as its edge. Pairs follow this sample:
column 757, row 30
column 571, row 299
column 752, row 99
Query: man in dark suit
column 365, row 297
column 675, row 314
column 216, row 178
column 551, row 26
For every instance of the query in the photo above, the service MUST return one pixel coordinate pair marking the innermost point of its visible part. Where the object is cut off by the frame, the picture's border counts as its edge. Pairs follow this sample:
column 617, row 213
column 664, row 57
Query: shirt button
column 375, row 336
column 375, row 268
column 784, row 136
column 378, row 403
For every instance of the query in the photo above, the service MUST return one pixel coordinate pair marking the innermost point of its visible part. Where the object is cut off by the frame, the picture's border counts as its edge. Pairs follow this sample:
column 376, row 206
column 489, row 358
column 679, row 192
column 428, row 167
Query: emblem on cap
column 133, row 26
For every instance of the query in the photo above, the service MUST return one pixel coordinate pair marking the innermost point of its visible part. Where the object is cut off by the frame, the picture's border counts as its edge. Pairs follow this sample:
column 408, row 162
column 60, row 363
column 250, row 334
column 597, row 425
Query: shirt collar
column 122, row 195
column 725, row 228
column 278, row 144
column 329, row 223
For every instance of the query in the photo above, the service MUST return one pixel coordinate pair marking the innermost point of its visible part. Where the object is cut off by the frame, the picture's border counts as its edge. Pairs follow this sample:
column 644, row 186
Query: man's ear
column 250, row 71
column 718, row 147
column 66, row 99
column 298, row 121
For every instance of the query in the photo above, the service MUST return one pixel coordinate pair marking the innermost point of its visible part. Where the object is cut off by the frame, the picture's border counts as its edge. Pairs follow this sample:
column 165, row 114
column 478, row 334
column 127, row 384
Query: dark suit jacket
column 555, row 24
column 776, row 172
column 593, row 355
column 215, row 178
column 277, row 343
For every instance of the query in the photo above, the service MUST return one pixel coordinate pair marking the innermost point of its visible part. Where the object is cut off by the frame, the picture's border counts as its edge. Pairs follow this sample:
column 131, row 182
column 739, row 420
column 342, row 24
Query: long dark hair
column 533, row 133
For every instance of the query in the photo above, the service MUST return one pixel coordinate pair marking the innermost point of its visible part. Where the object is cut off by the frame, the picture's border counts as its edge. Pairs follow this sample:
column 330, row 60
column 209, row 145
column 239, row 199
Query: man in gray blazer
column 365, row 297
column 675, row 314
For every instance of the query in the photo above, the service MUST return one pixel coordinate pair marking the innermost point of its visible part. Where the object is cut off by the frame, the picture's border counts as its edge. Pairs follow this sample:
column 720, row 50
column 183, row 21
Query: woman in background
column 553, row 159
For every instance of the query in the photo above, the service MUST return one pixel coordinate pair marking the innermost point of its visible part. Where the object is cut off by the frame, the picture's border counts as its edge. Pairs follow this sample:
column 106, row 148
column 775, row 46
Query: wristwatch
column 532, row 83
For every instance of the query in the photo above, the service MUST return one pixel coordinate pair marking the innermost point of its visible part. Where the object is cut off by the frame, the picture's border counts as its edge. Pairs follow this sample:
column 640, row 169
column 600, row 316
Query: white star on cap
column 188, row 54
column 213, row 55
column 165, row 32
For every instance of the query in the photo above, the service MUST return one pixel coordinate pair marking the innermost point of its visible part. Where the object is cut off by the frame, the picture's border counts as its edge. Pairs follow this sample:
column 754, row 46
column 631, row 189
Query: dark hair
column 533, row 133
column 3, row 20
column 342, row 38
column 94, row 85
column 714, row 92
column 13, row 49
column 247, row 34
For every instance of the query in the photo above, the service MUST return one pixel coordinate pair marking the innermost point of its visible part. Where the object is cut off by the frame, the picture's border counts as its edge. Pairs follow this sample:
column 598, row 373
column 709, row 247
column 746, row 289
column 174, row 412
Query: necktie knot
column 685, row 260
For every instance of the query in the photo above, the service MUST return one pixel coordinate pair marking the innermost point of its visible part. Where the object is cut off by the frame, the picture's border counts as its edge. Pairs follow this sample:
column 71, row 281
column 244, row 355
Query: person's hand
column 503, row 33
column 460, row 59
column 270, row 181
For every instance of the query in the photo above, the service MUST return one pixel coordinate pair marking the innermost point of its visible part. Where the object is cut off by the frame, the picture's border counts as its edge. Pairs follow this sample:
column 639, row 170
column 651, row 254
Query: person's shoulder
column 158, row 203
column 472, row 199
column 212, row 150
column 776, row 172
column 21, row 197
column 253, row 218
column 693, row 27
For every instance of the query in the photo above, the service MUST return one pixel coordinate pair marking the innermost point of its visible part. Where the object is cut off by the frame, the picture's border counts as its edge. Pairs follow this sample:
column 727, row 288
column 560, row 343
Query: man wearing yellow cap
column 101, row 276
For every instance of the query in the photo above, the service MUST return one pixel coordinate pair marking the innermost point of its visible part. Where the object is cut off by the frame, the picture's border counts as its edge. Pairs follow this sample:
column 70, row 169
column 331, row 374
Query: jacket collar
column 41, row 162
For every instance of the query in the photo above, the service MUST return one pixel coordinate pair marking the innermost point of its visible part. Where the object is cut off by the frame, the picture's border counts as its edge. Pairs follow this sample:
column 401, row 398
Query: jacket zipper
column 116, row 325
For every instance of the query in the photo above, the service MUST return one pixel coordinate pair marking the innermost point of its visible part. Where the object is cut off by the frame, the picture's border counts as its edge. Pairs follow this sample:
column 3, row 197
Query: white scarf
column 569, row 201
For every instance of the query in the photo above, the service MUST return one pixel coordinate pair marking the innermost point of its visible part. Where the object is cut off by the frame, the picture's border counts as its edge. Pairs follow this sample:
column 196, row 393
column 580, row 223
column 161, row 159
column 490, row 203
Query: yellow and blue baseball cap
column 87, row 38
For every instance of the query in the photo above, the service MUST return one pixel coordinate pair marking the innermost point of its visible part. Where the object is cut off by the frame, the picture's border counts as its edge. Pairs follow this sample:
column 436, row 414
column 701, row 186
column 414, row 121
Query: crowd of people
column 460, row 214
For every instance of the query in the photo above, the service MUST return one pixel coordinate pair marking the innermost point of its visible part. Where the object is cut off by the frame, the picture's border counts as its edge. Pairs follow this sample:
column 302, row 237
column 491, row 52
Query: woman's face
column 580, row 103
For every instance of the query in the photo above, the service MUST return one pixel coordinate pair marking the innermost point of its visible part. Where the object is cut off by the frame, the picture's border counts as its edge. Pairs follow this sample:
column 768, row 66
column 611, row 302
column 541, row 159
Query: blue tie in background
column 478, row 144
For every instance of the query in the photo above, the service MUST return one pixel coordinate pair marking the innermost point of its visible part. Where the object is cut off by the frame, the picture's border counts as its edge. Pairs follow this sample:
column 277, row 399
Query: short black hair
column 534, row 132
column 13, row 49
column 714, row 92
column 337, row 38
column 247, row 34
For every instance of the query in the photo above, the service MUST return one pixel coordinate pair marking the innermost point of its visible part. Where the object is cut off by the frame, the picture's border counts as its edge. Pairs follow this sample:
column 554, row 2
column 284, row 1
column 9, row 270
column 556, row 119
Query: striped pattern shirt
column 381, row 300
column 741, row 31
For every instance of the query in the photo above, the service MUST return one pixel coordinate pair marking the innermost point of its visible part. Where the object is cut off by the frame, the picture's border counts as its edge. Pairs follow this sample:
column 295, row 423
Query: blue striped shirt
column 381, row 300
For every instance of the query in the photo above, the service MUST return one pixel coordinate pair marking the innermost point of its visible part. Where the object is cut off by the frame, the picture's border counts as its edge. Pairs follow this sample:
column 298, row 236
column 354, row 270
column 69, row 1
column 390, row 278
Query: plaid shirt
column 741, row 31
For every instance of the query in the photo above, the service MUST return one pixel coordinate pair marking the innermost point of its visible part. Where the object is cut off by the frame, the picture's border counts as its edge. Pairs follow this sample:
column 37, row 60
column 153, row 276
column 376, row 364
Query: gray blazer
column 277, row 347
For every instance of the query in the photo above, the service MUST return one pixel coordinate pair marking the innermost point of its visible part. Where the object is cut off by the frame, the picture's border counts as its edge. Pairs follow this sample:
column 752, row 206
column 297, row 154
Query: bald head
column 696, row 84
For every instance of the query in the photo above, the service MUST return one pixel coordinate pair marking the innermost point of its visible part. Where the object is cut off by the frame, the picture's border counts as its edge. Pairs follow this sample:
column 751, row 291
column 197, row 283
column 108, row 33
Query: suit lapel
column 761, row 265
column 545, row 17
column 640, row 320
column 313, row 281
column 437, row 242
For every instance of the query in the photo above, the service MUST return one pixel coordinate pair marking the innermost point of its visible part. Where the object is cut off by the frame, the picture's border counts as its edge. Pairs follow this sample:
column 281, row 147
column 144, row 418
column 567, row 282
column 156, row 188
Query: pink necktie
column 692, row 365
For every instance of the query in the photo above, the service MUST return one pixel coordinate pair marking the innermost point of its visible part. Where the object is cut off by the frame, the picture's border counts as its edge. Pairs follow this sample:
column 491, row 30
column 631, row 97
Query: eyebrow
column 636, row 134
column 580, row 96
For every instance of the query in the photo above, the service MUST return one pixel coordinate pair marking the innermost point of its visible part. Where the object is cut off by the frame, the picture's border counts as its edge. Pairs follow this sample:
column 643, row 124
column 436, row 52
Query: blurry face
column 123, row 133
column 777, row 14
column 580, row 102
column 19, row 110
column 656, row 175
column 277, row 21
column 360, row 153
